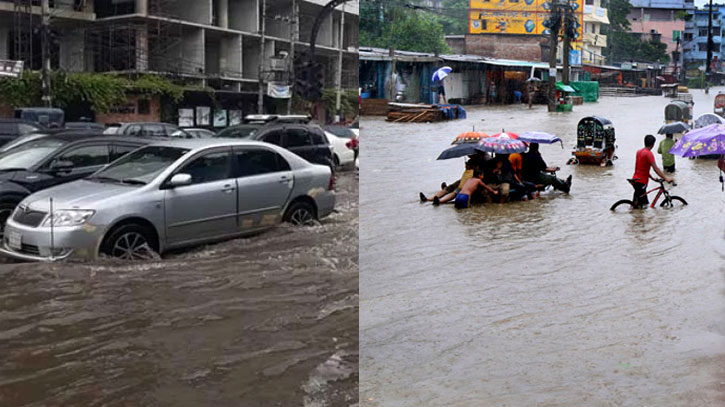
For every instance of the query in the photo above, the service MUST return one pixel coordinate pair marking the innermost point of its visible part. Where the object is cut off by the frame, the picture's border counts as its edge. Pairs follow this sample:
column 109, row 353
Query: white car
column 342, row 155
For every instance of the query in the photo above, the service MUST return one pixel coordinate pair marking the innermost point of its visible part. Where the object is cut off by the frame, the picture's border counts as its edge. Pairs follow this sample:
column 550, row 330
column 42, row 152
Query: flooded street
column 267, row 321
column 552, row 302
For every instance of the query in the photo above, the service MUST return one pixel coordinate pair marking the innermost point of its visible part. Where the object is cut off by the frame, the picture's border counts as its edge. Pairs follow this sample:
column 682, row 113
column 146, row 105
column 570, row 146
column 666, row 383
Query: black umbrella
column 458, row 150
column 676, row 127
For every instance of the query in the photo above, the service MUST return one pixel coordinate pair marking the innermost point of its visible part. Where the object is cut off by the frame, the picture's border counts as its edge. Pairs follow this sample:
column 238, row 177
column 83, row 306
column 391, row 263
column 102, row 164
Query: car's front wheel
column 6, row 209
column 300, row 213
column 130, row 241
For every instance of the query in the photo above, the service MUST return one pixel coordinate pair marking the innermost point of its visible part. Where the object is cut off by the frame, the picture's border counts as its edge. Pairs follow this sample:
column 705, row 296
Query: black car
column 56, row 159
column 10, row 129
column 306, row 140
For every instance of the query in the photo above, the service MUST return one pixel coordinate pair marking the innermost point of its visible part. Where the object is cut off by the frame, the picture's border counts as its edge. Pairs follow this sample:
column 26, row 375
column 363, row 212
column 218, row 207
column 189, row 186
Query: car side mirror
column 179, row 180
column 61, row 166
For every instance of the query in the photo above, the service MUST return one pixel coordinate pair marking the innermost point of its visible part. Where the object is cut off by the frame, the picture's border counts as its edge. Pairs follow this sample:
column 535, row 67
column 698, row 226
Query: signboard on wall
column 220, row 118
column 235, row 117
column 203, row 114
column 186, row 117
column 515, row 16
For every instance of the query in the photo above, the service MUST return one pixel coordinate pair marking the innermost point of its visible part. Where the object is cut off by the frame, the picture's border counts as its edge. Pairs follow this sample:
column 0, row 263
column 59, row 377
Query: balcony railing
column 598, row 40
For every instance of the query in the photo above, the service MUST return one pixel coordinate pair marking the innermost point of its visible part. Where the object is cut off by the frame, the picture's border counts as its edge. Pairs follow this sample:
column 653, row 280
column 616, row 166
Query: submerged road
column 552, row 302
column 266, row 321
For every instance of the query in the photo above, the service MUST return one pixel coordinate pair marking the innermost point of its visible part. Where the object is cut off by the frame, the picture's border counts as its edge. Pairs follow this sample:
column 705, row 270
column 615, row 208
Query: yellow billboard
column 515, row 16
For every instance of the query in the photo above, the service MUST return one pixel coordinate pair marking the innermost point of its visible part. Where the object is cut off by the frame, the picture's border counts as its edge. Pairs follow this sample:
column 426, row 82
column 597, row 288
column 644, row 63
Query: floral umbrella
column 501, row 144
column 709, row 140
column 464, row 144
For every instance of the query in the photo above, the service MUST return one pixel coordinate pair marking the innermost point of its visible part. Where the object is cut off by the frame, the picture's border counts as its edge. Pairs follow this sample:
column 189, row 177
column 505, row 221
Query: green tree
column 454, row 18
column 626, row 46
column 389, row 25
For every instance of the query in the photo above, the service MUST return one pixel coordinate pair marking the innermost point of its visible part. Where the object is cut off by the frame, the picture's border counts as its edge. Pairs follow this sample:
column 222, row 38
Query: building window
column 702, row 32
column 589, row 2
column 676, row 35
column 702, row 46
column 688, row 36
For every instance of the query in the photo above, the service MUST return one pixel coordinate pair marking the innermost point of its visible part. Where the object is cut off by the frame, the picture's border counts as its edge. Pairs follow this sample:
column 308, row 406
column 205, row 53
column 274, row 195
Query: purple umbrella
column 540, row 137
column 709, row 140
column 501, row 145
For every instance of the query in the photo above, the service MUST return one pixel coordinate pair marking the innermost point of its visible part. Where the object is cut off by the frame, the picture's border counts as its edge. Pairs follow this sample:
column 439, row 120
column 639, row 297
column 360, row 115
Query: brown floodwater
column 551, row 302
column 267, row 321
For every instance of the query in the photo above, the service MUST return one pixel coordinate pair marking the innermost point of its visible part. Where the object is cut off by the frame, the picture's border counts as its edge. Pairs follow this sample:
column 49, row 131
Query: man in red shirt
column 645, row 161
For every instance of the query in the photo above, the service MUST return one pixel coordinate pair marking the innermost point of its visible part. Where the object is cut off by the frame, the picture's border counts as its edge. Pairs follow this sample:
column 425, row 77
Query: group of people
column 500, row 178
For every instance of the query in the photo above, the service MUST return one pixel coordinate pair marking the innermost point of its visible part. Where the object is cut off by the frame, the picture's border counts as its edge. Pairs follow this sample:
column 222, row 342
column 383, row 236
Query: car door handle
column 284, row 180
column 227, row 189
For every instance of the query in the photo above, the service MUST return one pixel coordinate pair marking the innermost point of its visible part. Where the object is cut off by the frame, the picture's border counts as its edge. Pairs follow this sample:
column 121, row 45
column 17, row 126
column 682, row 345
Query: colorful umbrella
column 501, row 145
column 709, row 140
column 539, row 137
column 441, row 73
column 464, row 144
column 506, row 135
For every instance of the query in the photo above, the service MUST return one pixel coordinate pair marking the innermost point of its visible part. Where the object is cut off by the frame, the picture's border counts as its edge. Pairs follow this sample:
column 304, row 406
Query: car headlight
column 69, row 217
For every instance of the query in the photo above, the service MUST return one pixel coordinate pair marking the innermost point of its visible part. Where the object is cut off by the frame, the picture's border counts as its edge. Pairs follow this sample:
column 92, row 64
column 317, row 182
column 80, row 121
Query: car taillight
column 349, row 145
column 331, row 185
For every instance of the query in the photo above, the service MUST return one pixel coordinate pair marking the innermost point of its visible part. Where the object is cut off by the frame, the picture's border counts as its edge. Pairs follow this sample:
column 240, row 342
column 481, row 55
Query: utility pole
column 44, row 43
column 565, row 58
column 709, row 47
column 338, row 112
column 294, row 34
column 553, row 45
column 262, row 59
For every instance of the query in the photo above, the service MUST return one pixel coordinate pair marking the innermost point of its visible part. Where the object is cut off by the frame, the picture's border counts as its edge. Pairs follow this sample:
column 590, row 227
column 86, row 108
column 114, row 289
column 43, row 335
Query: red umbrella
column 506, row 135
column 469, row 137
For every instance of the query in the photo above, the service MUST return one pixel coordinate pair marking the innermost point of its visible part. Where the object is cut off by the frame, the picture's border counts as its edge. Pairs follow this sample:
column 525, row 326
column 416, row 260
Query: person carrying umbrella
column 668, row 159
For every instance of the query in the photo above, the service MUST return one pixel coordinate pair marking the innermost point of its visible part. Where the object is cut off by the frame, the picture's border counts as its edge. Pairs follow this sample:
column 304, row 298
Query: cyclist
column 645, row 160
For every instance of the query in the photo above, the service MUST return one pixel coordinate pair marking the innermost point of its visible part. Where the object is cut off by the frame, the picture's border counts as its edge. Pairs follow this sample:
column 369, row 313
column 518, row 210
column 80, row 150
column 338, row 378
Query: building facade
column 661, row 20
column 695, row 40
column 595, row 22
column 224, row 45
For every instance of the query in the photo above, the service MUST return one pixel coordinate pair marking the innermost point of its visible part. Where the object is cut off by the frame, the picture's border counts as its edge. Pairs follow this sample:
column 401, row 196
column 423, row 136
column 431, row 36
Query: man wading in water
column 645, row 161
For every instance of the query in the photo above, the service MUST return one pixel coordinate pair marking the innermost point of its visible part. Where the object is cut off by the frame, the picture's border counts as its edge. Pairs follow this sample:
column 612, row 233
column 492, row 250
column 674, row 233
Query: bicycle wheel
column 672, row 202
column 622, row 204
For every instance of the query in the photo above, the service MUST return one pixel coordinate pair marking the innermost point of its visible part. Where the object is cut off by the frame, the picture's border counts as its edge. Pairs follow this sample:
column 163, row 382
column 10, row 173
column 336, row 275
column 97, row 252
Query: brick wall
column 457, row 44
column 6, row 112
column 129, row 112
column 518, row 47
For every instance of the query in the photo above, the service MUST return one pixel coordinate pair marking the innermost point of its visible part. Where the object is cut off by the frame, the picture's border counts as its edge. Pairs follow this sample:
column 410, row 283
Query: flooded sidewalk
column 267, row 321
column 551, row 302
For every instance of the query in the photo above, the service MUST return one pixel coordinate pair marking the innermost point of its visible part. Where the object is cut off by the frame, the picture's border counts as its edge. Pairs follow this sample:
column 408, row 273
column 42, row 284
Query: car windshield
column 141, row 166
column 340, row 131
column 29, row 154
column 242, row 131
column 20, row 140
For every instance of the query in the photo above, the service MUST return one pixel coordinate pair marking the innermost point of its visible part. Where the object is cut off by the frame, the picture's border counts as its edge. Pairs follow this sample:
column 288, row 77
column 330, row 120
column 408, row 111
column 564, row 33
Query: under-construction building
column 220, row 44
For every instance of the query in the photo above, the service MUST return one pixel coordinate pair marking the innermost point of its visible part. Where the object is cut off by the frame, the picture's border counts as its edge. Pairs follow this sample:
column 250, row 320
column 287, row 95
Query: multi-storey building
column 695, row 39
column 661, row 20
column 595, row 18
column 224, row 45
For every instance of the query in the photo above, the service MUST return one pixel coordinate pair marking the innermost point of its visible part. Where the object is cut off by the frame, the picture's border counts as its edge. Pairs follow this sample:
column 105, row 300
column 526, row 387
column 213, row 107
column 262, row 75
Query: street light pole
column 553, row 45
column 44, row 43
column 338, row 113
column 709, row 47
column 262, row 59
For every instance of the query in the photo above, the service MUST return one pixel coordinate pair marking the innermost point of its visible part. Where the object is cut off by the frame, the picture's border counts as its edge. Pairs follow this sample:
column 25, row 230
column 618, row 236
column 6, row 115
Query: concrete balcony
column 596, row 15
column 598, row 40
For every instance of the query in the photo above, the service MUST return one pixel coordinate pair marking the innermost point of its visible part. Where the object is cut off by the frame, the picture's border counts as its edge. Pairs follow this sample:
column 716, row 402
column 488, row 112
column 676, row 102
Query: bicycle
column 669, row 201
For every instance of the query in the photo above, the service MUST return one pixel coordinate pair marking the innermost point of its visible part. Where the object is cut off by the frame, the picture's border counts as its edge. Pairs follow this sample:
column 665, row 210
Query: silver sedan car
column 169, row 195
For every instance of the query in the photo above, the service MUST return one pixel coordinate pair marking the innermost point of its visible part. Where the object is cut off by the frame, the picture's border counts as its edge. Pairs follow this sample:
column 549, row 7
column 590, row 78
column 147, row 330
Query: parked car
column 10, row 129
column 255, row 122
column 343, row 154
column 200, row 133
column 306, row 140
column 349, row 133
column 53, row 160
column 169, row 195
column 48, row 117
column 146, row 129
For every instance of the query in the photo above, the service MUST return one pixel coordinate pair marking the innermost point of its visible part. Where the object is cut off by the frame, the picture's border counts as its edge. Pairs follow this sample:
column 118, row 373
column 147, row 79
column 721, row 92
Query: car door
column 8, row 132
column 79, row 162
column 264, row 184
column 207, row 208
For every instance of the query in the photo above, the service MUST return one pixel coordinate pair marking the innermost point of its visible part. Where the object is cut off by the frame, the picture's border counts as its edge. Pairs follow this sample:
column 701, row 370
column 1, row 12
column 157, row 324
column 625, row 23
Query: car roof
column 200, row 143
column 80, row 135
column 2, row 120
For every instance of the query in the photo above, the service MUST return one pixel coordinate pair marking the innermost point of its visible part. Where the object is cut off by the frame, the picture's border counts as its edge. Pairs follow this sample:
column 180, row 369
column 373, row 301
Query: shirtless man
column 463, row 199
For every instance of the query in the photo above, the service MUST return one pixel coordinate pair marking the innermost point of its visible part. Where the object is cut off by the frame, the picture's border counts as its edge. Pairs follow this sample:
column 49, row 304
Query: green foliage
column 348, row 102
column 99, row 91
column 387, row 25
column 455, row 22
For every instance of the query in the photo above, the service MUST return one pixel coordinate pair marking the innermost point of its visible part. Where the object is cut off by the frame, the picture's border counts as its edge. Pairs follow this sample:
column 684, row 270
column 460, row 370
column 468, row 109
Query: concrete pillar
column 142, row 48
column 4, row 33
column 223, row 13
column 244, row 15
column 142, row 7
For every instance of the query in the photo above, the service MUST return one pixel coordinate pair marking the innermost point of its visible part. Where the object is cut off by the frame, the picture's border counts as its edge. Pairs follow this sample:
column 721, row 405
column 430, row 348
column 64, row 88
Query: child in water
column 463, row 199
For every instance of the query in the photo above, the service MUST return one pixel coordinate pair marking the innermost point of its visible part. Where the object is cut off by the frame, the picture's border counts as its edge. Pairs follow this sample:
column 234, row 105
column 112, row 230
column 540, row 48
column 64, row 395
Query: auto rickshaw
column 719, row 105
column 678, row 111
column 594, row 142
